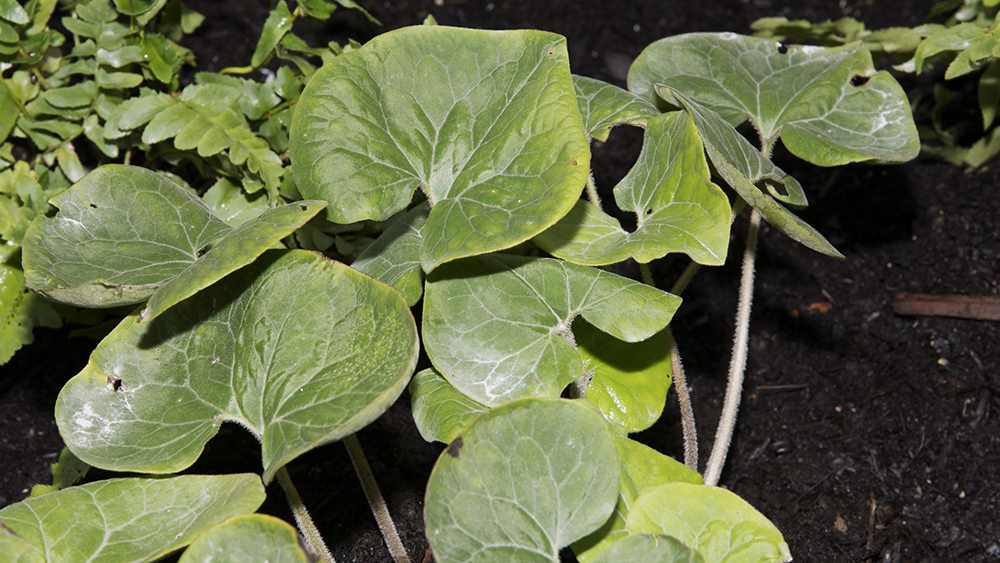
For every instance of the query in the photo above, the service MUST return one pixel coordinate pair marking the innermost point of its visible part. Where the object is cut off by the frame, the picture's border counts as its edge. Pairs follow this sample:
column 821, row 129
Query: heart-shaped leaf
column 669, row 189
column 439, row 410
column 828, row 105
column 521, row 482
column 649, row 548
column 300, row 350
column 603, row 106
column 248, row 537
column 484, row 122
column 630, row 379
column 498, row 327
column 125, row 520
column 642, row 470
column 716, row 522
column 394, row 257
column 734, row 159
column 123, row 232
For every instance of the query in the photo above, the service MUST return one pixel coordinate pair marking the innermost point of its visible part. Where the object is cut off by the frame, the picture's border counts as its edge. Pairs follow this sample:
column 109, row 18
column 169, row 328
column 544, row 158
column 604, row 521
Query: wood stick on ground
column 978, row 307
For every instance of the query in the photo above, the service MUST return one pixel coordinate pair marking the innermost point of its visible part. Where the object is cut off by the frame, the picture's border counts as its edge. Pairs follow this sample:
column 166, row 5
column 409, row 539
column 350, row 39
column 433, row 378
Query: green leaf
column 394, row 257
column 649, row 548
column 716, row 522
column 955, row 38
column 234, row 250
column 742, row 166
column 127, row 234
column 114, row 80
column 65, row 473
column 521, row 482
column 279, row 22
column 439, row 410
column 20, row 312
column 484, row 122
column 828, row 105
column 669, row 189
column 603, row 106
column 498, row 327
column 200, row 120
column 642, row 470
column 249, row 537
column 128, row 520
column 630, row 379
column 254, row 98
column 989, row 93
column 300, row 350
column 122, row 231
column 78, row 95
column 231, row 204
column 134, row 7
column 9, row 110
column 12, row 11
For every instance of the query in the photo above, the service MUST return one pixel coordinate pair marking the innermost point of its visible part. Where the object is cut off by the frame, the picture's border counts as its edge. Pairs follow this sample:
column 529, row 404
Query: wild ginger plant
column 445, row 165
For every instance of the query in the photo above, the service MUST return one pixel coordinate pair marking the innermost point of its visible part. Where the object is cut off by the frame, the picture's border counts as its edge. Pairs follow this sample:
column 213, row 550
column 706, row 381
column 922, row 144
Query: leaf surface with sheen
column 126, row 520
column 723, row 527
column 484, row 122
column 521, row 482
column 298, row 349
column 669, row 189
column 498, row 327
column 828, row 105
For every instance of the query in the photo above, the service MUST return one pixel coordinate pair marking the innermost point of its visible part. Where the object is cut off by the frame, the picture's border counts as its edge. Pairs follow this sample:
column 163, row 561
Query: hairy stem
column 737, row 366
column 313, row 538
column 592, row 191
column 684, row 401
column 375, row 500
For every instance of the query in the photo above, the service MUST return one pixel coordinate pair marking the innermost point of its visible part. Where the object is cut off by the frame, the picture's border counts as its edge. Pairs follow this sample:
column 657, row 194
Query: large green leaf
column 642, row 470
column 678, row 208
column 630, row 379
column 394, row 257
column 298, row 349
column 603, row 106
column 439, row 410
column 124, row 232
column 828, row 105
column 248, row 537
column 649, row 548
column 742, row 166
column 723, row 527
column 484, row 122
column 498, row 327
column 125, row 520
column 521, row 482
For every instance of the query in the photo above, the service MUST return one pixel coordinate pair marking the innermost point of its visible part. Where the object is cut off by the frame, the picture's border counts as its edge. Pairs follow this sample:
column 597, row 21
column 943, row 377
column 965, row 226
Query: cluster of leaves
column 104, row 80
column 967, row 43
column 448, row 166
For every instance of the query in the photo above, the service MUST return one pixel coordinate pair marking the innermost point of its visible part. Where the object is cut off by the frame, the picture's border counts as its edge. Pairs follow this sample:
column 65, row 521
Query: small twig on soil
column 313, row 538
column 375, row 500
column 976, row 307
column 871, row 525
column 737, row 367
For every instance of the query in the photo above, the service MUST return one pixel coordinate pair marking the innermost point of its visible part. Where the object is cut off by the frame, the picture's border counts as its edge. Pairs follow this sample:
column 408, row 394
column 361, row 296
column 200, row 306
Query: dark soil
column 864, row 435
